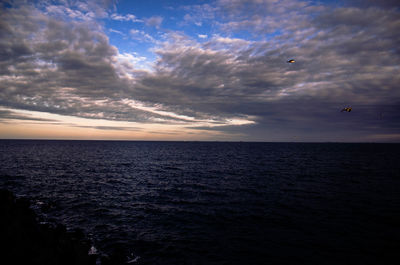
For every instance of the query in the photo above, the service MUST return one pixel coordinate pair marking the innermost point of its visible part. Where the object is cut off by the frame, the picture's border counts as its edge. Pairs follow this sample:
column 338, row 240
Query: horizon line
column 204, row 141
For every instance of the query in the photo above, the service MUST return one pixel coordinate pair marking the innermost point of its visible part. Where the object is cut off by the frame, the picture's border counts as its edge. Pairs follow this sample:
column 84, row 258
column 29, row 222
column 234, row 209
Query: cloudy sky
column 200, row 70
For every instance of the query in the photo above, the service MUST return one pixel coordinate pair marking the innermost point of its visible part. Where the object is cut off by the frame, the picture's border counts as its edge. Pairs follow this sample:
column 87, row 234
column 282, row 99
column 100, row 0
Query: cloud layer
column 58, row 59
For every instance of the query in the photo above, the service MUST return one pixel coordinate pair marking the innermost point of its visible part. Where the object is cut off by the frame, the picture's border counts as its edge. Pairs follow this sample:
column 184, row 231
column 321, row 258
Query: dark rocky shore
column 25, row 240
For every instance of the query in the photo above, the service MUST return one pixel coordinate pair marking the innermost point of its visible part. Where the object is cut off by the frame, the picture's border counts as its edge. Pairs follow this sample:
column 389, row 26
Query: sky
column 200, row 70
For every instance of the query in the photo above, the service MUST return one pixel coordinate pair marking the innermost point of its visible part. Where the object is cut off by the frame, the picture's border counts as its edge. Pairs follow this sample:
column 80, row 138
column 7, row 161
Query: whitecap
column 93, row 251
column 132, row 258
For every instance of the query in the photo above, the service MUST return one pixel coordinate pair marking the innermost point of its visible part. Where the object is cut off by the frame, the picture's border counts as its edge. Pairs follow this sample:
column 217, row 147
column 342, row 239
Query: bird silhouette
column 347, row 109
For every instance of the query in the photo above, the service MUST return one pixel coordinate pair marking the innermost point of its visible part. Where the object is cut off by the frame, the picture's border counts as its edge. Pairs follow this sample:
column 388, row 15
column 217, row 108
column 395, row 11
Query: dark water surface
column 217, row 203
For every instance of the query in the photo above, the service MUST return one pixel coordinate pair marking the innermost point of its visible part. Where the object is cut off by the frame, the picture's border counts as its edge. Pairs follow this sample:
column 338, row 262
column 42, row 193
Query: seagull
column 348, row 109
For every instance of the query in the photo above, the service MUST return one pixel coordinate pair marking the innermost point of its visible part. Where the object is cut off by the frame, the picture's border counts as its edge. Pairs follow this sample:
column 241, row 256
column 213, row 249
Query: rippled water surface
column 217, row 203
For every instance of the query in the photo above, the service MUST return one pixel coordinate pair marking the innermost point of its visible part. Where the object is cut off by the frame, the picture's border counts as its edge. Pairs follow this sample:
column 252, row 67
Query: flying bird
column 347, row 109
column 291, row 61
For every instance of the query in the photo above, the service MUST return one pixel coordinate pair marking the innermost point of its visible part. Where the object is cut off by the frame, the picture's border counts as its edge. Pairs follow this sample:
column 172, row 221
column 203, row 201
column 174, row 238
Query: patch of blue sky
column 6, row 5
column 169, row 11
column 151, row 22
column 200, row 32
column 148, row 9
column 131, row 37
column 128, row 45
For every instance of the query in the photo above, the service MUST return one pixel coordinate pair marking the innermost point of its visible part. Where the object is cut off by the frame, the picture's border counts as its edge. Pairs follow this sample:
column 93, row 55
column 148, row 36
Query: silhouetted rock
column 117, row 257
column 24, row 241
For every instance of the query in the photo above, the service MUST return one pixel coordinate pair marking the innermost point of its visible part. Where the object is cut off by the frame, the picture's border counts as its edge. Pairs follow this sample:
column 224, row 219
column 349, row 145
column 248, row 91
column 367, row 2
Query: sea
column 216, row 202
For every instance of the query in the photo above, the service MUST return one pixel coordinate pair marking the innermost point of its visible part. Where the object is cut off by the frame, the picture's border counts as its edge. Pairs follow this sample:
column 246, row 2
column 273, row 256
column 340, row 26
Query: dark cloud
column 345, row 56
column 64, row 67
column 6, row 115
column 373, row 3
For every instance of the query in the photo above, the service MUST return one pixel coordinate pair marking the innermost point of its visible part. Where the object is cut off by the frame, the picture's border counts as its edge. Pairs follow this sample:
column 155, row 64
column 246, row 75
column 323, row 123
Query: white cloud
column 131, row 65
column 68, row 12
column 140, row 35
column 117, row 31
column 127, row 17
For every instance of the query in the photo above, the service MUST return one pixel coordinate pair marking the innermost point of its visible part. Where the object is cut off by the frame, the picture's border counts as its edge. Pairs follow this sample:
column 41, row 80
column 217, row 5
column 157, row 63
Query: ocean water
column 214, row 202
